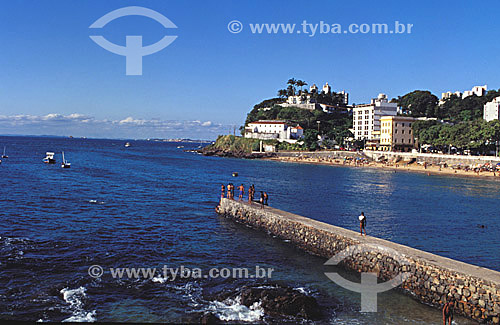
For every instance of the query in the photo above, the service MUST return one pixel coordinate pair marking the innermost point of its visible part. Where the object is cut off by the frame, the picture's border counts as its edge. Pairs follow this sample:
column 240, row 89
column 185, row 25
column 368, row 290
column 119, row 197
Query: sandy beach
column 400, row 166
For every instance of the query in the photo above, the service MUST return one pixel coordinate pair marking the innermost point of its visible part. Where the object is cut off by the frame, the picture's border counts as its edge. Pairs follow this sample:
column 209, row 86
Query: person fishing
column 362, row 223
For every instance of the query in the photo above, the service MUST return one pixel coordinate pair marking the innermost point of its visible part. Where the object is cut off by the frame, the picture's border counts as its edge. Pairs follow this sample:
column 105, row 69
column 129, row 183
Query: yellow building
column 396, row 133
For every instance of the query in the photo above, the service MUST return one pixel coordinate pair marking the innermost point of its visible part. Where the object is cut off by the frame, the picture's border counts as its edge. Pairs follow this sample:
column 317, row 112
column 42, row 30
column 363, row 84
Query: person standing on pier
column 222, row 191
column 242, row 191
column 448, row 312
column 362, row 223
column 266, row 197
column 251, row 192
column 261, row 200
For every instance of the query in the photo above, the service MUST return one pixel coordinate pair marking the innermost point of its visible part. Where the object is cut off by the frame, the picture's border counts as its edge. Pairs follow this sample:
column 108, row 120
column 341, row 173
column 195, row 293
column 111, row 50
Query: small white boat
column 65, row 164
column 4, row 155
column 49, row 158
column 127, row 144
column 180, row 147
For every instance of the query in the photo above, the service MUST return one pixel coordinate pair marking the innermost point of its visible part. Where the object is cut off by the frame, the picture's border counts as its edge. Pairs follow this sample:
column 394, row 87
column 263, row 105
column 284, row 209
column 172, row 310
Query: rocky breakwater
column 430, row 279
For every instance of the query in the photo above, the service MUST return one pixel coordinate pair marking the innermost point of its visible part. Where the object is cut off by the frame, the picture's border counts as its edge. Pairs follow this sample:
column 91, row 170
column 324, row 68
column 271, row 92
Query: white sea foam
column 159, row 279
column 233, row 310
column 74, row 297
column 302, row 290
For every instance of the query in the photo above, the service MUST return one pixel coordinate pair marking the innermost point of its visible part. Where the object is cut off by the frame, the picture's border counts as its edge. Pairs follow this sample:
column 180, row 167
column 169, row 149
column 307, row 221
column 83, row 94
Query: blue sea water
column 152, row 204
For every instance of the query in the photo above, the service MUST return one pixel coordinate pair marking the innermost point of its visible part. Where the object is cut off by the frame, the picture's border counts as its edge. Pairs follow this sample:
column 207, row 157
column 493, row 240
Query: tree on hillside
column 468, row 109
column 282, row 93
column 419, row 102
column 311, row 139
column 291, row 86
column 301, row 84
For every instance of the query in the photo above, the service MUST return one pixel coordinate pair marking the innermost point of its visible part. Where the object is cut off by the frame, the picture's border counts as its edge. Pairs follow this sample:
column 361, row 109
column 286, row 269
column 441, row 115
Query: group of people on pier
column 228, row 192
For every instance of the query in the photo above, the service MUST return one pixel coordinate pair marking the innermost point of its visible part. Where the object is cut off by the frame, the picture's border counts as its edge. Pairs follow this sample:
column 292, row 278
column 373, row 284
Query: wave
column 75, row 298
column 232, row 310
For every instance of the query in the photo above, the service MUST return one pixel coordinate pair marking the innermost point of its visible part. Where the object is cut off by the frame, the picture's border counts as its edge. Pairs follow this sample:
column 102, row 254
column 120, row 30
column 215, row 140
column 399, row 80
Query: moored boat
column 65, row 164
column 49, row 158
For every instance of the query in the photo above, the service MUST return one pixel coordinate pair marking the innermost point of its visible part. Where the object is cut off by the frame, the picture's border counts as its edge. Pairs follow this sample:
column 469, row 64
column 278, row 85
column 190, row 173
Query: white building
column 491, row 110
column 366, row 117
column 273, row 129
column 476, row 90
column 326, row 88
column 305, row 101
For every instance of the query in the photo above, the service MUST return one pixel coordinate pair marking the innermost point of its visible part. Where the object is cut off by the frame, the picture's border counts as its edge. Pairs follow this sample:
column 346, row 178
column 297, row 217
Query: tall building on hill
column 366, row 117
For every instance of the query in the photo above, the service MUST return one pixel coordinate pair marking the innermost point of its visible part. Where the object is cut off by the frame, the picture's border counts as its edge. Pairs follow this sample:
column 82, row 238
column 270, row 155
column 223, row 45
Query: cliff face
column 232, row 146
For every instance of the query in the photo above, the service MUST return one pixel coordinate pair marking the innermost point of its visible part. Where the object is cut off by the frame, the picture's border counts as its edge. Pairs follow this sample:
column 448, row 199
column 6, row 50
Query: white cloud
column 83, row 125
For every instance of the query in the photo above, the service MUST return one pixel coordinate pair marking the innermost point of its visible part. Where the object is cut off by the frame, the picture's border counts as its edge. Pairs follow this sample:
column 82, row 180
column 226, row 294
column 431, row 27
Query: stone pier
column 432, row 278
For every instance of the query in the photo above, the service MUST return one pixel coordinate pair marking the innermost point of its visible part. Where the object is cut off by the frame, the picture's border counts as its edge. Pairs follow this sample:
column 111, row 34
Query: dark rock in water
column 277, row 302
column 282, row 301
column 209, row 319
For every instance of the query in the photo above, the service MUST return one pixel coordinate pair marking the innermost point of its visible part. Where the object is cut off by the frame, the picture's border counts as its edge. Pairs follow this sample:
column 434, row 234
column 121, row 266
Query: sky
column 55, row 80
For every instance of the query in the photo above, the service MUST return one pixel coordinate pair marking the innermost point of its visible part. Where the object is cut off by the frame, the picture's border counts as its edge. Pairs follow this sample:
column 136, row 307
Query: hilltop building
column 274, row 130
column 492, row 109
column 306, row 100
column 476, row 90
column 366, row 117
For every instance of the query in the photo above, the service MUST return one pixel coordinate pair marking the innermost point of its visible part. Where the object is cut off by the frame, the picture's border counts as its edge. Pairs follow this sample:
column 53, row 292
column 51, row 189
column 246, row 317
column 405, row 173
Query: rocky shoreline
column 208, row 151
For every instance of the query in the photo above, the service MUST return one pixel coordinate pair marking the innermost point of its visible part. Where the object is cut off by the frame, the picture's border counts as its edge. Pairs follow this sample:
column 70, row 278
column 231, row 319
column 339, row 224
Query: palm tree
column 292, row 82
column 300, row 83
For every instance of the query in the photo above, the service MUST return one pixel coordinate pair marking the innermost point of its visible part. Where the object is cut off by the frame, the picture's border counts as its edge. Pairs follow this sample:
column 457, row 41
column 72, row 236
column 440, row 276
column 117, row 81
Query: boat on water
column 4, row 155
column 49, row 158
column 127, row 144
column 235, row 174
column 180, row 147
column 65, row 164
